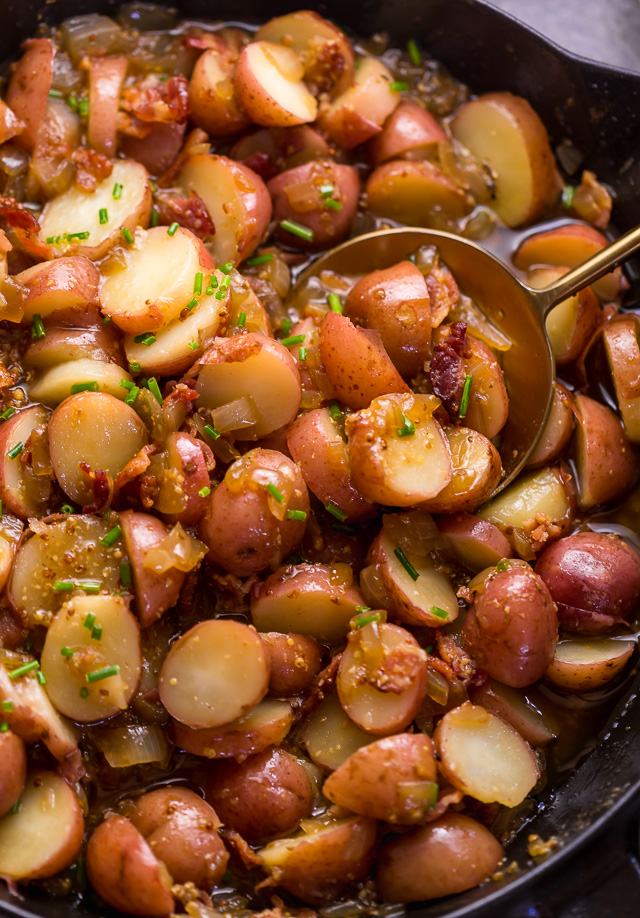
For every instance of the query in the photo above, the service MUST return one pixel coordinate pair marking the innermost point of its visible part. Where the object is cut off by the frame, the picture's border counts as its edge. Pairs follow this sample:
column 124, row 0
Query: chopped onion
column 40, row 458
column 437, row 686
column 178, row 550
column 311, row 398
column 133, row 745
column 89, row 35
column 241, row 412
column 467, row 311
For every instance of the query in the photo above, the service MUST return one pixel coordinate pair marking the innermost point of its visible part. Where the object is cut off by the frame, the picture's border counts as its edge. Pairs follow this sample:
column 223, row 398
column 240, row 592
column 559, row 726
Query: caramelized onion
column 235, row 415
column 133, row 745
column 179, row 551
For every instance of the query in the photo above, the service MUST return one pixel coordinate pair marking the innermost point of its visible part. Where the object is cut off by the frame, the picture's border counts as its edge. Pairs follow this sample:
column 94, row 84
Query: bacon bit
column 263, row 165
column 190, row 212
column 152, row 100
column 321, row 687
column 460, row 661
column 184, row 392
column 397, row 672
column 323, row 64
column 10, row 124
column 248, row 857
column 540, row 530
column 17, row 217
column 447, row 371
column 591, row 201
column 102, row 484
column 133, row 469
column 443, row 293
column 92, row 168
column 6, row 378
column 232, row 593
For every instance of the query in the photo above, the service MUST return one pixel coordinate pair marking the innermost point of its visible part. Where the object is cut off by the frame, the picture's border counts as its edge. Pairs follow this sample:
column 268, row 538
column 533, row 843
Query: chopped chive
column 194, row 345
column 7, row 413
column 429, row 649
column 15, row 450
column 408, row 428
column 14, row 809
column 336, row 511
column 4, row 727
column 326, row 189
column 126, row 384
column 404, row 561
column 40, row 676
column 83, row 107
column 37, row 328
column 204, row 492
column 67, row 508
column 84, row 692
column 296, row 229
column 503, row 565
column 464, row 401
column 63, row 585
column 286, row 325
column 296, row 514
column 7, row 706
column 96, row 632
column 334, row 303
column 117, row 191
column 89, row 621
column 66, row 651
column 125, row 574
column 225, row 283
column 361, row 620
column 155, row 217
column 274, row 492
column 173, row 229
column 84, row 387
column 134, row 366
column 126, row 232
column 104, row 215
column 191, row 304
column 72, row 102
column 302, row 353
column 334, row 411
column 146, row 338
column 89, row 586
column 154, row 187
column 333, row 204
column 197, row 283
column 438, row 612
column 55, row 94
column 341, row 527
column 414, row 53
column 103, row 673
column 227, row 267
column 213, row 281
column 210, row 291
column 294, row 339
column 221, row 294
column 83, row 235
column 154, row 389
column 363, row 609
column 106, row 320
column 242, row 320
column 210, row 430
column 132, row 396
column 398, row 86
column 24, row 669
column 259, row 260
column 568, row 194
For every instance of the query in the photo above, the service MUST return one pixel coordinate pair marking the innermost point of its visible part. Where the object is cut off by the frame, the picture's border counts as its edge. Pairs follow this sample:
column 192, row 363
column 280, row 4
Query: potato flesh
column 484, row 756
column 65, row 283
column 266, row 725
column 214, row 674
column 282, row 98
column 330, row 736
column 18, row 494
column 623, row 353
column 119, row 645
column 54, row 385
column 583, row 664
column 476, row 472
column 45, row 834
column 538, row 492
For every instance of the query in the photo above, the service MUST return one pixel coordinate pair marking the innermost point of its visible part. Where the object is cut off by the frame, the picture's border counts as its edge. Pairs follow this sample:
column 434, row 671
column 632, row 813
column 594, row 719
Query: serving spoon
column 516, row 310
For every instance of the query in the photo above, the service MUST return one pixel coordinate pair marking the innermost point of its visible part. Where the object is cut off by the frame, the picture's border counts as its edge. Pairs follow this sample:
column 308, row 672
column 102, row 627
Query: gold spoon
column 517, row 310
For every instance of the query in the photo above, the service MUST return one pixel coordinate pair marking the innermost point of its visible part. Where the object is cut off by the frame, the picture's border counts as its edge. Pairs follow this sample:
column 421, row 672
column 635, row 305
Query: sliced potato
column 266, row 725
column 361, row 109
column 416, row 193
column 606, row 461
column 620, row 338
column 269, row 86
column 477, row 543
column 477, row 469
column 11, row 529
column 571, row 324
column 29, row 87
column 410, row 132
column 529, row 717
column 585, row 664
column 59, row 285
column 558, row 429
column 106, row 78
column 78, row 212
column 330, row 736
column 13, row 769
column 212, row 103
column 21, row 490
column 57, row 383
column 62, row 345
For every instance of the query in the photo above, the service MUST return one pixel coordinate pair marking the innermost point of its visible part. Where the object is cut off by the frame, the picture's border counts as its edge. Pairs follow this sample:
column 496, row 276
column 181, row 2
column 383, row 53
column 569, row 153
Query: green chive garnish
column 408, row 428
column 89, row 621
column 210, row 430
column 84, row 387
column 326, row 189
column 126, row 384
column 125, row 574
column 333, row 204
column 37, row 328
column 146, row 338
column 334, row 303
column 503, row 565
column 294, row 339
column 296, row 514
column 275, row 493
column 40, row 676
column 103, row 673
column 197, row 283
column 414, row 53
column 173, row 229
column 334, row 411
column 296, row 229
column 302, row 353
column 72, row 102
column 126, row 232
column 4, row 727
column 259, row 260
column 286, row 325
column 361, row 620
column 134, row 366
column 89, row 586
column 55, row 94
column 106, row 320
column 225, row 283
column 464, row 401
column 336, row 511
column 154, row 389
column 191, row 304
column 398, row 86
column 15, row 450
column 7, row 413
column 67, row 508
column 7, row 706
column 117, row 191
column 194, row 345
column 132, row 396
column 227, row 267
column 66, row 651
column 104, row 215
column 83, row 107
column 84, row 692
column 96, row 632
column 404, row 561
column 204, row 492
column 155, row 217
column 242, row 319
column 24, row 669
column 568, row 194
column 63, row 585
column 438, row 612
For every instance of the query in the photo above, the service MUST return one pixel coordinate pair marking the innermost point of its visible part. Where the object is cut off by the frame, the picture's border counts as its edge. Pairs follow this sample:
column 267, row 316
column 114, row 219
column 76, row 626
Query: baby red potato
column 416, row 193
column 477, row 469
column 267, row 529
column 324, row 859
column 330, row 736
column 155, row 592
column 594, row 578
column 212, row 103
column 358, row 367
column 586, row 664
column 237, row 201
column 324, row 50
column 65, row 345
column 398, row 453
column 382, row 678
column 269, row 87
column 273, row 150
column 449, row 856
column 477, row 543
column 21, row 490
column 512, row 627
column 266, row 725
column 60, row 285
column 316, row 445
column 156, row 282
column 558, row 429
column 361, row 109
column 410, row 131
column 28, row 90
column 295, row 660
column 393, row 779
column 158, row 149
column 76, row 208
column 606, row 461
column 620, row 337
column 13, row 770
column 504, row 131
column 516, row 708
column 56, row 383
column 123, row 869
column 308, row 599
column 396, row 303
column 572, row 323
column 266, row 795
column 11, row 529
column 214, row 673
column 190, row 462
column 181, row 830
column 298, row 195
column 484, row 756
column 97, row 430
column 106, row 78
column 255, row 368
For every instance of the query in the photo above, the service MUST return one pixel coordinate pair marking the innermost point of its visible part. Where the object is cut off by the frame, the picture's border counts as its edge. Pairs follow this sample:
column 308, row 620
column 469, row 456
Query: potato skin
column 594, row 579
column 296, row 659
column 266, row 795
column 512, row 627
column 448, row 856
column 13, row 770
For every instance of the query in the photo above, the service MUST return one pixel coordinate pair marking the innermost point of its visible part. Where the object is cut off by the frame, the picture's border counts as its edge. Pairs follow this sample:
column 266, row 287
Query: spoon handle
column 588, row 272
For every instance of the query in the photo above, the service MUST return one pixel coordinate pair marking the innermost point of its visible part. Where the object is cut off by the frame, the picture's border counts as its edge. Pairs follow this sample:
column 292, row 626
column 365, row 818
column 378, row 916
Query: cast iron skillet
column 597, row 108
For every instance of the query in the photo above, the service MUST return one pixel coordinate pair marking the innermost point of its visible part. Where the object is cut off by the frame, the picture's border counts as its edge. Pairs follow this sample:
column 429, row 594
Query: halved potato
column 571, row 324
column 330, row 736
column 269, row 85
column 606, row 461
column 265, row 725
column 13, row 769
column 212, row 103
column 28, row 90
column 106, row 79
column 62, row 284
column 525, row 715
column 410, row 132
column 57, row 383
column 620, row 338
column 360, row 111
column 477, row 469
column 477, row 543
column 63, row 344
column 416, row 193
column 21, row 490
column 585, row 664
column 558, row 429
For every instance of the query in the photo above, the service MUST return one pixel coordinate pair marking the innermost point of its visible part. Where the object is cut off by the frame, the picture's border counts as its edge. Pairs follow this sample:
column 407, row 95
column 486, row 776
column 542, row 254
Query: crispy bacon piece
column 102, row 484
column 459, row 661
column 184, row 392
column 25, row 227
column 447, row 367
column 323, row 684
column 240, row 848
column 91, row 168
column 151, row 99
column 190, row 212
column 133, row 469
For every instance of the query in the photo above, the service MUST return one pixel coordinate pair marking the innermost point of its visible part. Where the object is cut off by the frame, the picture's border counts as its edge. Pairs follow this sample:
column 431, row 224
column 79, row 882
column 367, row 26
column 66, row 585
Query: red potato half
column 387, row 465
column 21, row 490
column 477, row 469
column 477, row 543
column 393, row 779
column 57, row 383
column 28, row 90
column 416, row 193
column 504, row 131
column 571, row 324
column 558, row 429
column 620, row 339
column 277, row 149
column 484, row 756
column 606, row 461
column 123, row 869
column 63, row 345
column 308, row 599
column 212, row 102
column 77, row 211
column 96, row 429
column 410, row 131
column 330, row 736
column 155, row 592
column 396, row 303
column 256, row 368
column 361, row 110
column 106, row 79
column 158, row 149
column 268, row 82
column 214, row 673
column 295, row 661
column 190, row 461
column 516, row 708
column 382, row 678
column 266, row 725
column 358, row 367
column 13, row 770
column 45, row 834
column 586, row 664
column 11, row 529
column 69, row 675
column 156, row 282
column 60, row 285
column 237, row 201
column 449, row 856
column 316, row 445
